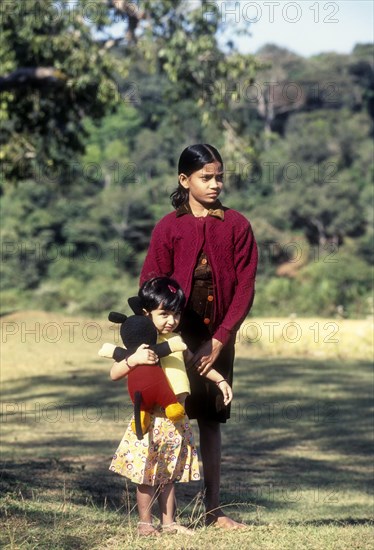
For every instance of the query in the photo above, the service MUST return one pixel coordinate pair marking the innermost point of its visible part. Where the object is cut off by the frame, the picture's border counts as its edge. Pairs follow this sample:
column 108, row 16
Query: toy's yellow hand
column 176, row 344
column 107, row 350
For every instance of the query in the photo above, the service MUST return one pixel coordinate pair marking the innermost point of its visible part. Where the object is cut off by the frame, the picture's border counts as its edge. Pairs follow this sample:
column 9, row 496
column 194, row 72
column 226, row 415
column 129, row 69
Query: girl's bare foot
column 147, row 530
column 176, row 529
column 224, row 522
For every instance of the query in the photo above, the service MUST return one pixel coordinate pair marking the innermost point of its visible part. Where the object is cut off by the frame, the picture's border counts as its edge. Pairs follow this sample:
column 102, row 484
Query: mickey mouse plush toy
column 147, row 384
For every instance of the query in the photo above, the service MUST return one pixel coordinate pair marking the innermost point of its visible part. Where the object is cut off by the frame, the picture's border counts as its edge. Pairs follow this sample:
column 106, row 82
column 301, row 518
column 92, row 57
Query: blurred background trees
column 99, row 99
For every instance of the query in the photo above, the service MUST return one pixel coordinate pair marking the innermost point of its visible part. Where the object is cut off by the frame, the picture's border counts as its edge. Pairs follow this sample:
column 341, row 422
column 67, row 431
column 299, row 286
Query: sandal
column 147, row 529
column 177, row 529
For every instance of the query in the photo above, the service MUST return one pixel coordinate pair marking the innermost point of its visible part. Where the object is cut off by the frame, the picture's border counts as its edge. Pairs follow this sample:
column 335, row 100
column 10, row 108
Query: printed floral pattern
column 166, row 454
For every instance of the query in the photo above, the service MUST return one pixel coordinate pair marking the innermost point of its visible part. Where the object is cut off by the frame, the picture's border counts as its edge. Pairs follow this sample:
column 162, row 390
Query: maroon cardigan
column 231, row 250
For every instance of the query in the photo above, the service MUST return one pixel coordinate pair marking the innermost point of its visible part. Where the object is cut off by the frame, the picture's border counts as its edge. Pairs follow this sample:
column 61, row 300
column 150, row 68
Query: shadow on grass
column 299, row 431
column 332, row 521
column 296, row 426
column 327, row 406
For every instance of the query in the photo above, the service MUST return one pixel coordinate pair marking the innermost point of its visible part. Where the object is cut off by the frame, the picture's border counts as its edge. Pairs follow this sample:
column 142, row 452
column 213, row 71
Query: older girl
column 211, row 251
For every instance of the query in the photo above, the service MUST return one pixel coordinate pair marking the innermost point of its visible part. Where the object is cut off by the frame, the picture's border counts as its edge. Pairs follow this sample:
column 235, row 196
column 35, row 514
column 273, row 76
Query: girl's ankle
column 146, row 528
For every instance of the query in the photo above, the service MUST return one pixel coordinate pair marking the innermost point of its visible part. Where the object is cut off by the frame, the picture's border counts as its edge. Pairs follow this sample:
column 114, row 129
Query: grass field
column 296, row 452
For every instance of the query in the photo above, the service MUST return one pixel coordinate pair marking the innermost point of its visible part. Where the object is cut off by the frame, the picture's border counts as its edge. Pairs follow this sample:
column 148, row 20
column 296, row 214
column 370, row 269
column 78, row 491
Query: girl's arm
column 222, row 383
column 246, row 257
column 142, row 356
column 212, row 375
column 187, row 356
column 205, row 356
column 159, row 259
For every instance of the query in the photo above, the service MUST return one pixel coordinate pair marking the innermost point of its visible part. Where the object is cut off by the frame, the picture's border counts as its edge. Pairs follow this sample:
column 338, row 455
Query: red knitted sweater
column 232, row 254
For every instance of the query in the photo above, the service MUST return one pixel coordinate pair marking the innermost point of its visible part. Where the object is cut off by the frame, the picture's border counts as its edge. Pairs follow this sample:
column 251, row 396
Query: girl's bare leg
column 145, row 498
column 210, row 447
column 166, row 502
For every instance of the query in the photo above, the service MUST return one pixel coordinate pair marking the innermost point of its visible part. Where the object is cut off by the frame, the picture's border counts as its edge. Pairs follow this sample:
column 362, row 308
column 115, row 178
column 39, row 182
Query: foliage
column 42, row 117
column 89, row 152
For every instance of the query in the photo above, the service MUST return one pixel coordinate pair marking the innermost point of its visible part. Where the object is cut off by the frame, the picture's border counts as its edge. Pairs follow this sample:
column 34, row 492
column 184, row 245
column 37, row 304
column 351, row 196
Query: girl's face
column 204, row 185
column 164, row 320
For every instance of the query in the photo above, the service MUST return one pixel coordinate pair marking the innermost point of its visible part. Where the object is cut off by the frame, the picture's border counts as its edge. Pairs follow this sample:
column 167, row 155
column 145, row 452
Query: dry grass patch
column 297, row 450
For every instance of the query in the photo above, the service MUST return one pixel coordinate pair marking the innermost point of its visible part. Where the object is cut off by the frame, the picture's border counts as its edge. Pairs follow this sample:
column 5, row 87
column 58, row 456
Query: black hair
column 193, row 158
column 162, row 291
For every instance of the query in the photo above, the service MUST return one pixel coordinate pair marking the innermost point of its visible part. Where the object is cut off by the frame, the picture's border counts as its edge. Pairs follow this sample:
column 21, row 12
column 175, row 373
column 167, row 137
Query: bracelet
column 223, row 380
column 127, row 363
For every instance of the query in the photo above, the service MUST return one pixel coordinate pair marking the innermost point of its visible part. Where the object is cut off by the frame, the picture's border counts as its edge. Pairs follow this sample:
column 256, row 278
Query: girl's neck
column 198, row 209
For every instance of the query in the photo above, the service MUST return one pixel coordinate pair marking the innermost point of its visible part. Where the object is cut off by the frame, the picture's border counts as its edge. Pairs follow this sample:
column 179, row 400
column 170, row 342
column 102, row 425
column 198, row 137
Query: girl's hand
column 205, row 356
column 142, row 356
column 226, row 391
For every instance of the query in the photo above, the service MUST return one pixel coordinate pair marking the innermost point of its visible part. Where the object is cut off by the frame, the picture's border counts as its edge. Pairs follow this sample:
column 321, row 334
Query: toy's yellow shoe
column 145, row 420
column 175, row 412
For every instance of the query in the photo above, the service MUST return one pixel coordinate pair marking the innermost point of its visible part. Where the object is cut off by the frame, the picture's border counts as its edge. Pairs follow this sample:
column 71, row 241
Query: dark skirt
column 206, row 399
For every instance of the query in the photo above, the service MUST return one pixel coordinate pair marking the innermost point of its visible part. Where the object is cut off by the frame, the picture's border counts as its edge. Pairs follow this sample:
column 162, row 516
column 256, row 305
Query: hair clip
column 172, row 289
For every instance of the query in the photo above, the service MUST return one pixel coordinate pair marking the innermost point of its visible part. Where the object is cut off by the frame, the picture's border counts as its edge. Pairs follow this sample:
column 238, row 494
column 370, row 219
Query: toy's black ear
column 116, row 317
column 136, row 305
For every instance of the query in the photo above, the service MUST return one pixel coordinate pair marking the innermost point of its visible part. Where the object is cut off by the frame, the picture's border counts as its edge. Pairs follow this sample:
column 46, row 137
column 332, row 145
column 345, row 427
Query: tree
column 64, row 73
column 55, row 75
column 58, row 69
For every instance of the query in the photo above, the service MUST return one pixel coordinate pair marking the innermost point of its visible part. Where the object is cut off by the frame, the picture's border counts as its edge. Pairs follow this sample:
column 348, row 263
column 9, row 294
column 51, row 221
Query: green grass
column 296, row 452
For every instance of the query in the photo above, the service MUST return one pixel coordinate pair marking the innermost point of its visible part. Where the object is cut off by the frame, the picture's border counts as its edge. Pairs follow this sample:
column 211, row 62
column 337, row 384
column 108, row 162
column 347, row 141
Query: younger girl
column 167, row 453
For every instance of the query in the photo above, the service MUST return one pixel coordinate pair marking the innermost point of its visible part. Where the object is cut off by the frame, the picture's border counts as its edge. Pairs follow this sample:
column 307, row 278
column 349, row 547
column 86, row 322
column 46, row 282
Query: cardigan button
column 204, row 261
column 206, row 321
column 210, row 298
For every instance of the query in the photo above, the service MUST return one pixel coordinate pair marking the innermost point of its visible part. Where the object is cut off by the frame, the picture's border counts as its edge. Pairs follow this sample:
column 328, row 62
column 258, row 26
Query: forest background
column 93, row 125
column 98, row 99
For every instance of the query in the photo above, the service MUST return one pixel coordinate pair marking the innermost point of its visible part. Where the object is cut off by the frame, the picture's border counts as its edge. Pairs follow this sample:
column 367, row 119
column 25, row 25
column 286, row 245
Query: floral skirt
column 166, row 454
